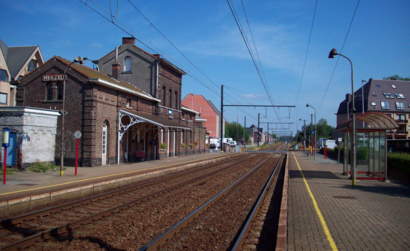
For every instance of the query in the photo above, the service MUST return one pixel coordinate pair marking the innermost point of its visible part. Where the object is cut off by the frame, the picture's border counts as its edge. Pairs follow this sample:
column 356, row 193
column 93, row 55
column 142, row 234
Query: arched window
column 127, row 64
column 49, row 91
column 60, row 91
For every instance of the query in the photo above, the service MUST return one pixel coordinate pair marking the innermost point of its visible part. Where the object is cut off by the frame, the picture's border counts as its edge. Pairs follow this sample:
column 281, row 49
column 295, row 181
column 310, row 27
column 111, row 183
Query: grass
column 40, row 167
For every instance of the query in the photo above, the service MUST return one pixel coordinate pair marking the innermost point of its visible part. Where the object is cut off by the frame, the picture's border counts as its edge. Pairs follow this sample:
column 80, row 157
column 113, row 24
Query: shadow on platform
column 312, row 174
column 401, row 191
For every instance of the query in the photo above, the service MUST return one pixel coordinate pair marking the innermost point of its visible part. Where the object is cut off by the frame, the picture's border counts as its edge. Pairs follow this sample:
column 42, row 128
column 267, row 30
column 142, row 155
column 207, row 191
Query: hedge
column 399, row 161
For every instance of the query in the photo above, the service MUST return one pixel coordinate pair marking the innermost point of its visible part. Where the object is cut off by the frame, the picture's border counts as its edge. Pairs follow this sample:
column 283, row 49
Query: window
column 399, row 95
column 32, row 65
column 163, row 96
column 170, row 98
column 162, row 136
column 182, row 136
column 4, row 76
column 3, row 98
column 373, row 103
column 403, row 117
column 127, row 64
column 393, row 86
column 399, row 105
column 176, row 100
column 388, row 95
column 128, row 104
column 60, row 91
column 374, row 94
column 49, row 92
column 378, row 86
column 385, row 105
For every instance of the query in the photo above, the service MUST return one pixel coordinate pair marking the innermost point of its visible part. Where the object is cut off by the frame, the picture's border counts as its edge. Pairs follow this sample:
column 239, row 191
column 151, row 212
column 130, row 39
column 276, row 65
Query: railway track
column 215, row 224
column 26, row 230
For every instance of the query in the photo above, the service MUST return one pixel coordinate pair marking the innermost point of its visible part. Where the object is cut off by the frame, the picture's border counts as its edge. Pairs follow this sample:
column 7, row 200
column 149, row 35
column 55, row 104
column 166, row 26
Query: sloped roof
column 93, row 74
column 17, row 57
column 214, row 107
column 373, row 92
column 4, row 48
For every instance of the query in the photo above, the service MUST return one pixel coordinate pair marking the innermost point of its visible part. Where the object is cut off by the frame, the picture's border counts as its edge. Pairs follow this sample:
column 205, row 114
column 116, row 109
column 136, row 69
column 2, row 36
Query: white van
column 216, row 141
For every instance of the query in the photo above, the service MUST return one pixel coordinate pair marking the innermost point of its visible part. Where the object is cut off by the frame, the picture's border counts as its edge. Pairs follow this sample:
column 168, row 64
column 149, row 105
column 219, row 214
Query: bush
column 40, row 167
column 399, row 160
column 163, row 146
column 183, row 145
column 362, row 153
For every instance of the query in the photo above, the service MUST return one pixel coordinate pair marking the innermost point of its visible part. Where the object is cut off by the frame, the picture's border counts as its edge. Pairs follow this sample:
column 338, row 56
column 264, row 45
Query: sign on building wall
column 53, row 77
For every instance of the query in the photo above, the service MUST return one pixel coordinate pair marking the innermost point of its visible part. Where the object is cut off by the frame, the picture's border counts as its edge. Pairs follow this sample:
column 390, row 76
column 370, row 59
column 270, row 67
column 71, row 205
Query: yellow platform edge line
column 111, row 175
column 319, row 214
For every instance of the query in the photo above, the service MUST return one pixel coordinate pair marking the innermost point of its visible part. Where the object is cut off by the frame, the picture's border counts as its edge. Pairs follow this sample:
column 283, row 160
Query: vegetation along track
column 217, row 223
column 26, row 230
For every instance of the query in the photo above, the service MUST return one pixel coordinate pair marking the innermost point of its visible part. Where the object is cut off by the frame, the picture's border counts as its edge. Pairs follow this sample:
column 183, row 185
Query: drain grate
column 345, row 197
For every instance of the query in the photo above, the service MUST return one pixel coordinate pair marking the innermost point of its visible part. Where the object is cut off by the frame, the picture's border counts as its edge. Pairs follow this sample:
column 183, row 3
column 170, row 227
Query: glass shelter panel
column 383, row 157
column 371, row 152
column 376, row 154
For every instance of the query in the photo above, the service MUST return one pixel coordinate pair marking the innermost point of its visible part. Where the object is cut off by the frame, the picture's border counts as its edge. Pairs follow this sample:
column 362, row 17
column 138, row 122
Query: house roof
column 17, row 58
column 4, row 48
column 375, row 92
column 214, row 107
column 103, row 79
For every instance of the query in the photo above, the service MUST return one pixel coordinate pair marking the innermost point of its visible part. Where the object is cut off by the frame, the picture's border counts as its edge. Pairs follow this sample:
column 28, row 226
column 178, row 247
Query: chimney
column 116, row 70
column 128, row 40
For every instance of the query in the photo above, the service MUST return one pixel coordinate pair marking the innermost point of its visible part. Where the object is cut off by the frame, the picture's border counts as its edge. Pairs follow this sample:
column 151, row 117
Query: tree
column 235, row 131
column 323, row 130
column 397, row 77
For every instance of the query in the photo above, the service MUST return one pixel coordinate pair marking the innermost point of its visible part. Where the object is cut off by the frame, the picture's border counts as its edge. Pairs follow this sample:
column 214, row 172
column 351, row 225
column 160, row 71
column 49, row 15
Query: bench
column 141, row 155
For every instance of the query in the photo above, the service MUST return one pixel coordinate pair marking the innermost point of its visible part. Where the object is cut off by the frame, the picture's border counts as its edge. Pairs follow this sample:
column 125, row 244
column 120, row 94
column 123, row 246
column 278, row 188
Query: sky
column 202, row 38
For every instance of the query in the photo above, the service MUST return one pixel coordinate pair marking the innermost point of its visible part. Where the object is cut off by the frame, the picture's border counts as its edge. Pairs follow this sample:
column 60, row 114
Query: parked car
column 232, row 143
column 212, row 146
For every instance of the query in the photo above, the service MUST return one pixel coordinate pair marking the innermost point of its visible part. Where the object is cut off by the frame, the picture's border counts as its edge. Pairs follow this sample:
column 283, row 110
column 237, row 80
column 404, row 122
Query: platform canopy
column 375, row 120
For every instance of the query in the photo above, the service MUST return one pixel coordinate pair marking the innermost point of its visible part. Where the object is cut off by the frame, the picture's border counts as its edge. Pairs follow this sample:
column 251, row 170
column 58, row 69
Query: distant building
column 207, row 111
column 16, row 62
column 391, row 97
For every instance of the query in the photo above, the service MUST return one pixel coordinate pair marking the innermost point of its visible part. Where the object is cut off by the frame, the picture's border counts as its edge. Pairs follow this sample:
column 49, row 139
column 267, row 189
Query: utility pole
column 268, row 133
column 259, row 115
column 222, row 115
column 244, row 130
column 311, row 122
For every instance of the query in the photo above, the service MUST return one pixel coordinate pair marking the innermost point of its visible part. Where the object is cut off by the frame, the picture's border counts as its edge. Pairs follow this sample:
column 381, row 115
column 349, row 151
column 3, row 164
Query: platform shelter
column 371, row 145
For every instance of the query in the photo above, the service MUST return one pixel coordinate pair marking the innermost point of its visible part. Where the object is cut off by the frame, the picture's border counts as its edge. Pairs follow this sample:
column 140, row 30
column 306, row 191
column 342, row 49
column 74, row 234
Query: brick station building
column 116, row 117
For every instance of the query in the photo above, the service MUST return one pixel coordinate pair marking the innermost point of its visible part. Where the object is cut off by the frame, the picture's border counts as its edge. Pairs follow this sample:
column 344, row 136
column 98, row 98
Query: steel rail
column 154, row 245
column 245, row 230
column 4, row 224
column 30, row 240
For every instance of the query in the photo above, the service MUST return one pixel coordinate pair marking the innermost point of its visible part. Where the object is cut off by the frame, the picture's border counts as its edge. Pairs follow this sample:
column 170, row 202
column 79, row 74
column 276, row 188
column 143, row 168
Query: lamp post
column 332, row 54
column 363, row 108
column 79, row 60
column 315, row 149
column 304, row 133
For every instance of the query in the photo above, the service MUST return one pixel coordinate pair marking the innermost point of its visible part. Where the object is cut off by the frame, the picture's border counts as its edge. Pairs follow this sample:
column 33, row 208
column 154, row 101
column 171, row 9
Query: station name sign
column 53, row 77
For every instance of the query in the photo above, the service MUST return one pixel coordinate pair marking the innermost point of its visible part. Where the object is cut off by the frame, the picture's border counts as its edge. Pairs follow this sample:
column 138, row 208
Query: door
column 11, row 150
column 104, row 145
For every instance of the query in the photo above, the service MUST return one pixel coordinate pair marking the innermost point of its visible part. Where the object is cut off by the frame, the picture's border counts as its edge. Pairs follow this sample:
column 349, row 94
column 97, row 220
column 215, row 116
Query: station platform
column 25, row 190
column 325, row 212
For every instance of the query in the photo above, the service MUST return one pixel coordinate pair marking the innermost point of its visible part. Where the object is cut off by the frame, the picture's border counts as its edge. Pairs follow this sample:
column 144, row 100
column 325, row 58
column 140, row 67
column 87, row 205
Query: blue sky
column 206, row 33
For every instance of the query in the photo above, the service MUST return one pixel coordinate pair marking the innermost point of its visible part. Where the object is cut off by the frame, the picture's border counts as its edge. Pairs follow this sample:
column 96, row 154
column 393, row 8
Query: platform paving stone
column 372, row 215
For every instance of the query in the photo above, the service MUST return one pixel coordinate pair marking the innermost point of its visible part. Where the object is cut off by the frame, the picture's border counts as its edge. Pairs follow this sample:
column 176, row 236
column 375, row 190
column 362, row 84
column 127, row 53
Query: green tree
column 235, row 131
column 397, row 77
column 323, row 130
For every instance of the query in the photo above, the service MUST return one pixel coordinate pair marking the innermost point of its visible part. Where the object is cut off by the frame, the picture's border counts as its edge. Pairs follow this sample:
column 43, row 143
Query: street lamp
column 304, row 133
column 79, row 60
column 315, row 149
column 332, row 54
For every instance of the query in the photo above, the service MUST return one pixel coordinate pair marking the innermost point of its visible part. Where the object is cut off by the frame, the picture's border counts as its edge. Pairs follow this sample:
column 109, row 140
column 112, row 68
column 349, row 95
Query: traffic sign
column 313, row 132
column 77, row 134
